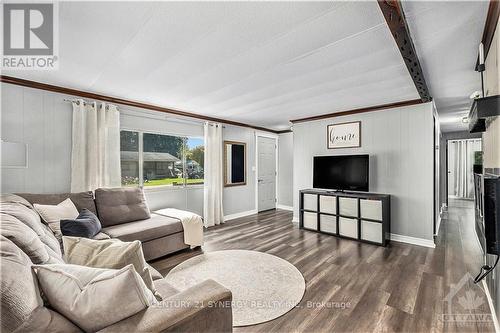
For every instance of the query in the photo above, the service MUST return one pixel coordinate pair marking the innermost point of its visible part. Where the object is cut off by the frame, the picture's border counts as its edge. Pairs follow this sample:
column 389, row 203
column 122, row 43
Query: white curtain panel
column 212, row 194
column 95, row 154
column 464, row 162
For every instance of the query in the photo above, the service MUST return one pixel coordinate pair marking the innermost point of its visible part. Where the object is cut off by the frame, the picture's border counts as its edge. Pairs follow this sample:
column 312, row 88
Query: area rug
column 264, row 286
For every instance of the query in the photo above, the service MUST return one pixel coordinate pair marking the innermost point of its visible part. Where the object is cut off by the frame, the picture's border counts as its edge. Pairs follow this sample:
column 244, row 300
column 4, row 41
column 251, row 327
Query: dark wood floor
column 355, row 287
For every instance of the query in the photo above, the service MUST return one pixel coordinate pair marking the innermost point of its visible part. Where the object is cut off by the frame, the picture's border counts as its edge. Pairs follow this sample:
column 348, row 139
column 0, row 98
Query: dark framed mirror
column 235, row 163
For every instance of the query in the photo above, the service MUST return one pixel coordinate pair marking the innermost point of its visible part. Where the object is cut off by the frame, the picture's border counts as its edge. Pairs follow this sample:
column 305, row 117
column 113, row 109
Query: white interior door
column 451, row 168
column 266, row 169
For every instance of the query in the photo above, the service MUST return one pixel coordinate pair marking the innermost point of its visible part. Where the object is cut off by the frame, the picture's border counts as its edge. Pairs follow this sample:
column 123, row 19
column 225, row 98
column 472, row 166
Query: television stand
column 361, row 216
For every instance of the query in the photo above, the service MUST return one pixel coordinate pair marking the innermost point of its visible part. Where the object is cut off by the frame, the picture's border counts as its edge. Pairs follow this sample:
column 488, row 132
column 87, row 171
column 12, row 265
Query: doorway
column 462, row 156
column 266, row 173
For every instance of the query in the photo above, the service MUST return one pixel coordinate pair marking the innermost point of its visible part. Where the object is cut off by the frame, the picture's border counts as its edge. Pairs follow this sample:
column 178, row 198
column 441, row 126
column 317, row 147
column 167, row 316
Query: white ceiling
column 263, row 63
column 446, row 36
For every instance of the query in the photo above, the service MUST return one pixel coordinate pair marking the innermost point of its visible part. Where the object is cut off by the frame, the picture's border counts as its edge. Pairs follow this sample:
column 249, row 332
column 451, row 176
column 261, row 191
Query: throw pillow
column 108, row 253
column 53, row 214
column 93, row 298
column 85, row 225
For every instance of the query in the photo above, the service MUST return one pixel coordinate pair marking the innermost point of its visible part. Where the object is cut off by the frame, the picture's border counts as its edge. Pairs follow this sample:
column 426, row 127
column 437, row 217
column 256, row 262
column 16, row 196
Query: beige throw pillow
column 93, row 298
column 108, row 253
column 53, row 214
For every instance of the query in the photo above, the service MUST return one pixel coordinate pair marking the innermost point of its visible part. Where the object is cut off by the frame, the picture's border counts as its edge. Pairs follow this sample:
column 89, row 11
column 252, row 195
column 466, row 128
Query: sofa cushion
column 101, row 236
column 13, row 198
column 47, row 320
column 21, row 306
column 144, row 230
column 94, row 298
column 121, row 205
column 30, row 218
column 25, row 238
column 165, row 288
column 81, row 200
column 85, row 225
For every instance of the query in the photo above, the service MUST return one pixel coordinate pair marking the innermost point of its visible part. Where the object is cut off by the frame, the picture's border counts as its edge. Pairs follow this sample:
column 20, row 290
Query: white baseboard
column 295, row 219
column 492, row 308
column 285, row 207
column 413, row 240
column 238, row 215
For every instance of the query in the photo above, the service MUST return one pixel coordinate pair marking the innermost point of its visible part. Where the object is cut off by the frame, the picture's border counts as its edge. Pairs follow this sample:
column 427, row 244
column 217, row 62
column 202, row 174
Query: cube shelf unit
column 361, row 216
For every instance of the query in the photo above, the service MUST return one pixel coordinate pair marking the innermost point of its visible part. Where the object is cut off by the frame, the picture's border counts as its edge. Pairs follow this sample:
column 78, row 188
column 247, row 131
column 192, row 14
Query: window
column 129, row 146
column 165, row 160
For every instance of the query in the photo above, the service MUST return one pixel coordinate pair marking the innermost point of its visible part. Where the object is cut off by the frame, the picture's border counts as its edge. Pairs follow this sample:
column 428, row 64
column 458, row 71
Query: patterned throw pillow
column 108, row 253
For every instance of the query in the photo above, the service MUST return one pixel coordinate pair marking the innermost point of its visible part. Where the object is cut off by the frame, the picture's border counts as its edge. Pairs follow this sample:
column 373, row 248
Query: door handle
column 260, row 180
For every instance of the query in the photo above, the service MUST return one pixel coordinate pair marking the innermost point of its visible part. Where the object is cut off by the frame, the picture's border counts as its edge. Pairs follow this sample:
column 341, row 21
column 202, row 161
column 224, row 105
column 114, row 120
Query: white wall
column 400, row 144
column 42, row 120
column 285, row 170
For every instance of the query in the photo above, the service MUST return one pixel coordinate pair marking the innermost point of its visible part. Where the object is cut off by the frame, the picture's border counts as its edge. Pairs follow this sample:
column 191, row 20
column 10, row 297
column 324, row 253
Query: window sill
column 165, row 188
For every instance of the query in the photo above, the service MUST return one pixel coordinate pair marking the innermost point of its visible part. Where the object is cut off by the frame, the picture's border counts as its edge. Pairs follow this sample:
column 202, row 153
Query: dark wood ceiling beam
column 395, row 18
column 122, row 101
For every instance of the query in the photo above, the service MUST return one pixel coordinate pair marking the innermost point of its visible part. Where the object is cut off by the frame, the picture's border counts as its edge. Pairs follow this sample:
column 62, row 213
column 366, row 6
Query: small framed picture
column 344, row 135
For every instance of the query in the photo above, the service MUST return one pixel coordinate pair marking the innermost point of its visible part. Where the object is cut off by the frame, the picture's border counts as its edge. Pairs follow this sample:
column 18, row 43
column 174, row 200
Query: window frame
column 154, row 188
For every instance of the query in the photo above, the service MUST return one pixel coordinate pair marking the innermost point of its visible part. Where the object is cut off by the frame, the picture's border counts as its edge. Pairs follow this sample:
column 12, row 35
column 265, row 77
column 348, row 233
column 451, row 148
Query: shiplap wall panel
column 399, row 142
column 33, row 137
column 43, row 121
column 12, row 130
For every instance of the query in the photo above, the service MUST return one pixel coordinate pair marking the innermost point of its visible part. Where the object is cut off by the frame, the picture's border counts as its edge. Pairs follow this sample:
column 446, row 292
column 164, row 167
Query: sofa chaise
column 121, row 212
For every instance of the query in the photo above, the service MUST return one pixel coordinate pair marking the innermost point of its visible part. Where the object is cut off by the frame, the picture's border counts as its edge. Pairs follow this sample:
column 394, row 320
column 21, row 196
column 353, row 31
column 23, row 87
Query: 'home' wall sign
column 344, row 135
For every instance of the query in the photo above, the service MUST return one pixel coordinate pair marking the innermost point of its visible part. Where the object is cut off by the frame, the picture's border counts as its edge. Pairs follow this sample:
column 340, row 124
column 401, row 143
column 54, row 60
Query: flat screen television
column 348, row 172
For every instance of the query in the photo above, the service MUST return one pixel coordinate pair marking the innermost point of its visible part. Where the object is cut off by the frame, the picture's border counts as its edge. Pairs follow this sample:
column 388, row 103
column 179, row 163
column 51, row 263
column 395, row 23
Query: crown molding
column 361, row 110
column 122, row 101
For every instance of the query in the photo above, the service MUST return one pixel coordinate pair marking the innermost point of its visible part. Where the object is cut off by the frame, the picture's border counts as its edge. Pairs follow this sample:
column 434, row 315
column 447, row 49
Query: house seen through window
column 149, row 159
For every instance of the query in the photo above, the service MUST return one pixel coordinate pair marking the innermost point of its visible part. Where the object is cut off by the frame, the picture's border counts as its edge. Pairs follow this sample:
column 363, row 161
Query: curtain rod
column 84, row 102
column 167, row 118
column 77, row 101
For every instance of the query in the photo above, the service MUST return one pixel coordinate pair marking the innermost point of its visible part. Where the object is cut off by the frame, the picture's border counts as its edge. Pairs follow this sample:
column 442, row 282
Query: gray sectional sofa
column 25, row 240
column 120, row 218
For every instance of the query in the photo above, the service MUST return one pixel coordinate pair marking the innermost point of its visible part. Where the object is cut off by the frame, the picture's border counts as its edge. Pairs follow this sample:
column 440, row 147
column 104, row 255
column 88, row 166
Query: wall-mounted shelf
column 365, row 217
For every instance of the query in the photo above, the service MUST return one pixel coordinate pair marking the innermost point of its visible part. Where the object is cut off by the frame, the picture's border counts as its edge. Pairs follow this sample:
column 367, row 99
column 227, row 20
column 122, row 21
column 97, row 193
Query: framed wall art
column 344, row 135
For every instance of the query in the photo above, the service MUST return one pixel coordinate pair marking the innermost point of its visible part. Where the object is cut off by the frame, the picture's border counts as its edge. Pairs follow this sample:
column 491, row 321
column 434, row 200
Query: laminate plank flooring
column 357, row 287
